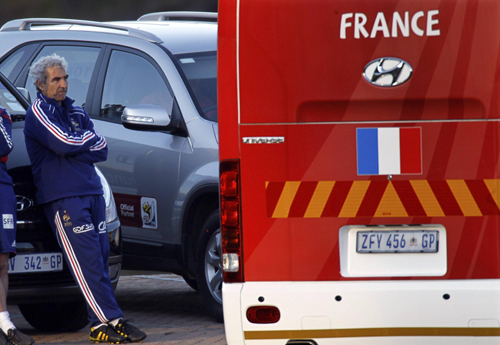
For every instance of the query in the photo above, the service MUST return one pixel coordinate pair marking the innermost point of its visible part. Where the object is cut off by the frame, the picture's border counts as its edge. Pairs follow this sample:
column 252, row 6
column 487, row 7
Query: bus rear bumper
column 457, row 312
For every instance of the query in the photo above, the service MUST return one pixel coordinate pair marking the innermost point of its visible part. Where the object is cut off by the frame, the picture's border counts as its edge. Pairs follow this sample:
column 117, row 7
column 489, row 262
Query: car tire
column 191, row 282
column 209, row 266
column 57, row 316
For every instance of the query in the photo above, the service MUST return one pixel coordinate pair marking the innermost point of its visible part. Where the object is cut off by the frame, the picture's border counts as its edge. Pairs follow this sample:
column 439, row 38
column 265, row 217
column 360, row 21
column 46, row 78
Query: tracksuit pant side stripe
column 73, row 261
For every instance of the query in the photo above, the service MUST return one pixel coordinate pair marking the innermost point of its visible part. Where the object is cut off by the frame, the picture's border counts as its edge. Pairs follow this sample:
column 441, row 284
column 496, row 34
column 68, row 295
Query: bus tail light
column 230, row 201
column 263, row 314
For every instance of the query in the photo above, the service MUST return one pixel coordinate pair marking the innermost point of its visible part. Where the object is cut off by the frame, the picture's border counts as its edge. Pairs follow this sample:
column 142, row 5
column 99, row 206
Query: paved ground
column 163, row 305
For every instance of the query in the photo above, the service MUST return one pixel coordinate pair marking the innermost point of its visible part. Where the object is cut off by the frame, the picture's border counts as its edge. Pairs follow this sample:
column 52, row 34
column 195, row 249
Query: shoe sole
column 135, row 341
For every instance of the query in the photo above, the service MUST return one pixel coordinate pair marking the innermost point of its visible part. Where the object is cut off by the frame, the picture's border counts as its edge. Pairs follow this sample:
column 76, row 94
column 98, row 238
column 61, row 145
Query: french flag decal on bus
column 389, row 150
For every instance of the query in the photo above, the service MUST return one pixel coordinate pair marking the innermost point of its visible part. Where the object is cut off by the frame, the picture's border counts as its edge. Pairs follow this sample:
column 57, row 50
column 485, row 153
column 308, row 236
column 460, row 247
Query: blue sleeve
column 97, row 152
column 86, row 121
column 42, row 125
column 6, row 144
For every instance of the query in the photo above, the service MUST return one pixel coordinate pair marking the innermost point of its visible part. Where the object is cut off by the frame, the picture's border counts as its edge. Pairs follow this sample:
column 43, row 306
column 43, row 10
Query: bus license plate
column 40, row 262
column 401, row 241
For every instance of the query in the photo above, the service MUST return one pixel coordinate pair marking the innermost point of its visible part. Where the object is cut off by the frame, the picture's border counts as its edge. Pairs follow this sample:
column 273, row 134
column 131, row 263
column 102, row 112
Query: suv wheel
column 209, row 266
column 57, row 316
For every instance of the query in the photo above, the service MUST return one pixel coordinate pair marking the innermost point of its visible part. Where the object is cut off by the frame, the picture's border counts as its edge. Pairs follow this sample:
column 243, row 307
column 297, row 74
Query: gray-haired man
column 63, row 146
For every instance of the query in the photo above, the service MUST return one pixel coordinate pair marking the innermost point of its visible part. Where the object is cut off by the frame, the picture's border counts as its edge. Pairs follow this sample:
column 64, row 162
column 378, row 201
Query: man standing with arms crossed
column 8, row 209
column 63, row 147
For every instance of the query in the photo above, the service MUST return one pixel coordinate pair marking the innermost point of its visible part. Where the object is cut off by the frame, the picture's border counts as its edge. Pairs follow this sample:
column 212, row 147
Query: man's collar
column 66, row 103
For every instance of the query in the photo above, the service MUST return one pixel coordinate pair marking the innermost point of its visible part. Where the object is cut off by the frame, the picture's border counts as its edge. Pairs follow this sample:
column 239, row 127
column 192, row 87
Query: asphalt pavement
column 162, row 305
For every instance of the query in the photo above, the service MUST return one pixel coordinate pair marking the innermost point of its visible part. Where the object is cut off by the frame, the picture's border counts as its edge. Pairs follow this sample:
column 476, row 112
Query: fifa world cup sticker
column 149, row 213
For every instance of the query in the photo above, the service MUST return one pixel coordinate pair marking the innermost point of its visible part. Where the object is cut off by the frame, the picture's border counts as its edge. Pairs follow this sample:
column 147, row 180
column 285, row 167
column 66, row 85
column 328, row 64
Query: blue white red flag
column 389, row 151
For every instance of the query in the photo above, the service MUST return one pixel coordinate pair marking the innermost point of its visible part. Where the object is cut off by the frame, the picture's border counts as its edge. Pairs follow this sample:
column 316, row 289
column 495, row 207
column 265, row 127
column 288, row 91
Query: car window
column 201, row 71
column 132, row 80
column 81, row 61
column 9, row 102
column 8, row 64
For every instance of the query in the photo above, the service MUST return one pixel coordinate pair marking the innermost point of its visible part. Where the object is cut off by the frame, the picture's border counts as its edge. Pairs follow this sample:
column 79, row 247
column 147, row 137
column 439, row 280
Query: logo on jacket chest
column 76, row 125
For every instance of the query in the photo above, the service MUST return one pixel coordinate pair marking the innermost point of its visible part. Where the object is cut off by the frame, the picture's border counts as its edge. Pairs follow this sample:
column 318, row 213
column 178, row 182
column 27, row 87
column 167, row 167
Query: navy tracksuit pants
column 79, row 224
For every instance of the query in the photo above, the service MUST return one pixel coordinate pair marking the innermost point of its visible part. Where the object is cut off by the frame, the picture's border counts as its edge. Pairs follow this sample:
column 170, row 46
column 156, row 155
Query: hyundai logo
column 23, row 203
column 387, row 72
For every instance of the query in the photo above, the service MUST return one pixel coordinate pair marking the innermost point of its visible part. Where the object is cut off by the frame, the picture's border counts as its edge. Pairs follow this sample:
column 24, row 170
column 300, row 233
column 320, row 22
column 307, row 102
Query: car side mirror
column 145, row 117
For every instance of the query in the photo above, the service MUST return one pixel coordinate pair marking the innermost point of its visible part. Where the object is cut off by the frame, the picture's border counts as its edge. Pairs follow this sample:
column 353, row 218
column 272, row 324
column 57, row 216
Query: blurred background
column 100, row 10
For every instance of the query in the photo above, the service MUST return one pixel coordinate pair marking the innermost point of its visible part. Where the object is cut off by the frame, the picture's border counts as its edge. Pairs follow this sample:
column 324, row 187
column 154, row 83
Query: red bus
column 359, row 158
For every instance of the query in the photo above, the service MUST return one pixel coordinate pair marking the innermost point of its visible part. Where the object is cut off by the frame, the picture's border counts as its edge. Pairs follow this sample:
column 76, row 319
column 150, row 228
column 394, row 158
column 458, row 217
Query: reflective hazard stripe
column 414, row 198
column 375, row 332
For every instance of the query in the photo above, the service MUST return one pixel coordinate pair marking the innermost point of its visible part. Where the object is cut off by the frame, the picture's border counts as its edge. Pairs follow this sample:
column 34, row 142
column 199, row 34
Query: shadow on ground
column 163, row 305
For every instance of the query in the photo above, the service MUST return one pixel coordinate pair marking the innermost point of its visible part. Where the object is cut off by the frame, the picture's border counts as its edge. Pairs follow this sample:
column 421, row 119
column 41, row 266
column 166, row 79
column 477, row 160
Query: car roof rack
column 180, row 15
column 26, row 24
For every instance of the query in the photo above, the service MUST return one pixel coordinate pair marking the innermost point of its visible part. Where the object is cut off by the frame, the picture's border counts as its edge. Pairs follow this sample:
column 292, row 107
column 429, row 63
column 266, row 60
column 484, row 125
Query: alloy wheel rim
column 213, row 266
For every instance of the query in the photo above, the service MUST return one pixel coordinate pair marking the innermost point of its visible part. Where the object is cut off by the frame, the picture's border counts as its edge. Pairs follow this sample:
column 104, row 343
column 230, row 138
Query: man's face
column 56, row 85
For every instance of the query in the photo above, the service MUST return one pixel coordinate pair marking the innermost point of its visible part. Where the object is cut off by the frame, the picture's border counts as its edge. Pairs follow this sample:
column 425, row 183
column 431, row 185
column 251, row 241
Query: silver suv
column 150, row 87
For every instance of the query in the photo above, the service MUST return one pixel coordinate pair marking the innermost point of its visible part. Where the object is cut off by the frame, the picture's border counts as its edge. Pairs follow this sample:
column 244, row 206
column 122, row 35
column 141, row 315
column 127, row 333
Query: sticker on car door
column 137, row 211
column 148, row 213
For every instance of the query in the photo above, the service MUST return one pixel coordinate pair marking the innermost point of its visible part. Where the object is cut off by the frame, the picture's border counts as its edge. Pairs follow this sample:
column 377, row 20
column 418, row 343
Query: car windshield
column 201, row 72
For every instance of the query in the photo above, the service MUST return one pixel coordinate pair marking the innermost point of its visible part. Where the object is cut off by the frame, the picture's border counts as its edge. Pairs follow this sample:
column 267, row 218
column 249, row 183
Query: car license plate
column 40, row 262
column 399, row 241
